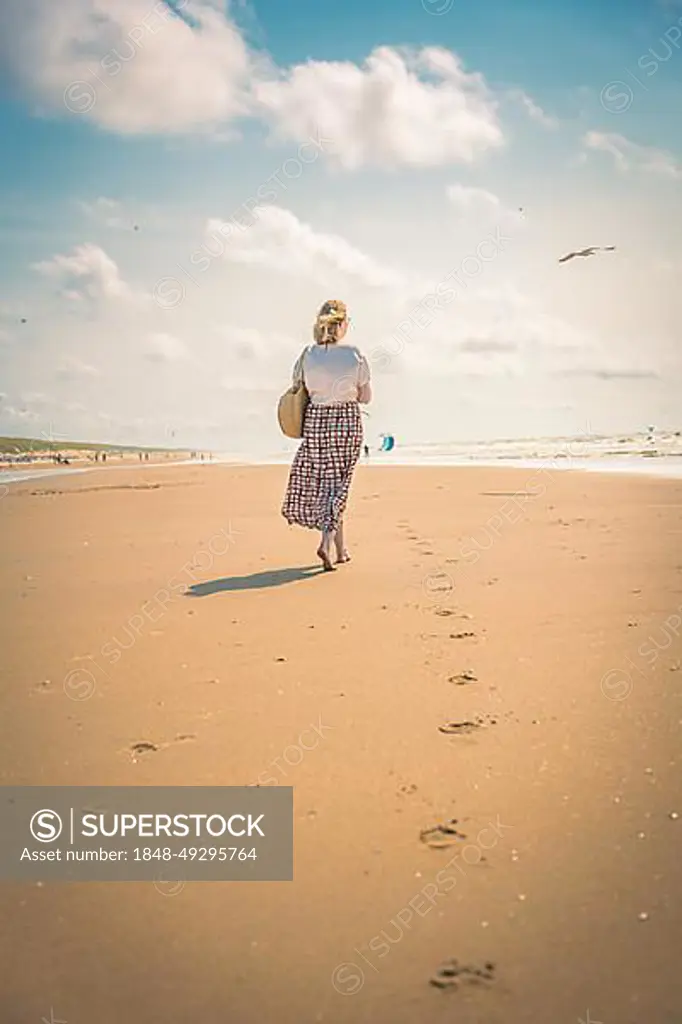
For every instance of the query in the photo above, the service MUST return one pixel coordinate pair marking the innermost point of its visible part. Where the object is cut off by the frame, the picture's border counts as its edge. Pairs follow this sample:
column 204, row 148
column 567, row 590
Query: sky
column 185, row 182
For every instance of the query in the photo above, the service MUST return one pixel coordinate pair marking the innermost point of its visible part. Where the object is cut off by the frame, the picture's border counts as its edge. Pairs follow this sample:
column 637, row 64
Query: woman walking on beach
column 337, row 378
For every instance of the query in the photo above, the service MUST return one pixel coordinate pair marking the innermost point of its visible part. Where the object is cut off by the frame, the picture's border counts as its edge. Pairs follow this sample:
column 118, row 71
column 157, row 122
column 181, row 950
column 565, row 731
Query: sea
column 653, row 454
column 658, row 454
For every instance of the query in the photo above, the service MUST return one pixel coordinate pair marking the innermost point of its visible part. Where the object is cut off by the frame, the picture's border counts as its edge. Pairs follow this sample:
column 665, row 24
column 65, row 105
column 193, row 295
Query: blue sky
column 436, row 129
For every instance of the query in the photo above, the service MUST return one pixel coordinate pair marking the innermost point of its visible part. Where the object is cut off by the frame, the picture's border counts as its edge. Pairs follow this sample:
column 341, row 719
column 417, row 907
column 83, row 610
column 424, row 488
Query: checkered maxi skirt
column 322, row 469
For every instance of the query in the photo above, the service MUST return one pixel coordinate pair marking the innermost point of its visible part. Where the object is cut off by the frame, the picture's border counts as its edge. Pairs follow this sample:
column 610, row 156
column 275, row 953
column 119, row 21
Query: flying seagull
column 587, row 252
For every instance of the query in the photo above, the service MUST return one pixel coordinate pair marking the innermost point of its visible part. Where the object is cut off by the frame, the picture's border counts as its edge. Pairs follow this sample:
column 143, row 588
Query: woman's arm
column 364, row 382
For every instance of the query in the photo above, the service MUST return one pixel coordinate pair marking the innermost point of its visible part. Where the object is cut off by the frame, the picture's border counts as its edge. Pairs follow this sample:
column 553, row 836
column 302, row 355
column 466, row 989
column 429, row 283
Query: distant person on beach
column 337, row 378
column 366, row 451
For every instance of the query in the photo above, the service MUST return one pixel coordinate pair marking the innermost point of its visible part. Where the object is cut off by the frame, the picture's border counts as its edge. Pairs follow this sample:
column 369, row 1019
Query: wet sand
column 480, row 714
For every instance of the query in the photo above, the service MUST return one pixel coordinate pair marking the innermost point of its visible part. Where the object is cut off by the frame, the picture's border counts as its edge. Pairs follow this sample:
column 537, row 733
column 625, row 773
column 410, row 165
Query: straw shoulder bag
column 292, row 406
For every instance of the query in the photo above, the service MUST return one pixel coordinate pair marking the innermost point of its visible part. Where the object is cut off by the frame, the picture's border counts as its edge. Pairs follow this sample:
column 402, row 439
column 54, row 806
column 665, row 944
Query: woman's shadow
column 256, row 581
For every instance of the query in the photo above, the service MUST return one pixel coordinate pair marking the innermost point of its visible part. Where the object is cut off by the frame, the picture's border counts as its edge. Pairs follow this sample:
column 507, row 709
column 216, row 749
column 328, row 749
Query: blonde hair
column 332, row 315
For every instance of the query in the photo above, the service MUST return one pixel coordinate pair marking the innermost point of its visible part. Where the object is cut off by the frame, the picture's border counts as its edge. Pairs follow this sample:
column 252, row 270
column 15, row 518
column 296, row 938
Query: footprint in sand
column 462, row 678
column 461, row 636
column 441, row 836
column 143, row 747
column 451, row 974
column 459, row 728
column 436, row 582
column 468, row 726
column 407, row 789
column 449, row 612
column 146, row 747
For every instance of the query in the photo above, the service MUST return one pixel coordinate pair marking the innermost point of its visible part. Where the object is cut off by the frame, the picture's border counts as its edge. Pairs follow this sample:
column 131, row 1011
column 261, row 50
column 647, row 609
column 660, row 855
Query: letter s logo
column 46, row 826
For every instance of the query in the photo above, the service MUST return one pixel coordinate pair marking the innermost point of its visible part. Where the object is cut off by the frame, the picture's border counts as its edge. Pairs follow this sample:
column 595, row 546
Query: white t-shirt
column 332, row 373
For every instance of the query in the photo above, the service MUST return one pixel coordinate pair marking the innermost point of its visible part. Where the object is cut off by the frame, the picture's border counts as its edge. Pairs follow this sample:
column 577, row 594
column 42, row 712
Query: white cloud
column 34, row 398
column 89, row 265
column 72, row 368
column 483, row 208
column 127, row 217
column 466, row 199
column 482, row 330
column 495, row 331
column 116, row 63
column 165, row 348
column 610, row 371
column 129, row 66
column 19, row 415
column 535, row 112
column 106, row 212
column 487, row 345
column 249, row 345
column 280, row 241
column 414, row 108
column 629, row 155
column 253, row 360
column 510, row 323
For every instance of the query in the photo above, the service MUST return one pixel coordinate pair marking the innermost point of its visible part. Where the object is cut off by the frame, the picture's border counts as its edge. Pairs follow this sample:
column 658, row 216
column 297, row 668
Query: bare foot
column 324, row 558
column 342, row 556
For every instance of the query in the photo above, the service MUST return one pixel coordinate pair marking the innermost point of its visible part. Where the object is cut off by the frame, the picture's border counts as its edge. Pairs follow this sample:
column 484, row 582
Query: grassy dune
column 18, row 445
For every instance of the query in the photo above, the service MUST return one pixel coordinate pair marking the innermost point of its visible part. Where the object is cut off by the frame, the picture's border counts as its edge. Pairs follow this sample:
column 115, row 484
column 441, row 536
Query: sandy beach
column 501, row 659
